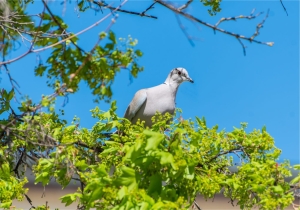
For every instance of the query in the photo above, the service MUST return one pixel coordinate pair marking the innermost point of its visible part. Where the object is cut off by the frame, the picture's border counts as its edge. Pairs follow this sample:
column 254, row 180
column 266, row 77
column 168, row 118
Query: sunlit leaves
column 5, row 98
column 139, row 167
column 213, row 4
column 98, row 67
column 10, row 186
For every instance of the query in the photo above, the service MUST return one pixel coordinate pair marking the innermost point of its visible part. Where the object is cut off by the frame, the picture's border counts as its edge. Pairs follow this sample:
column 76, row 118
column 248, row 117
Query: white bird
column 161, row 98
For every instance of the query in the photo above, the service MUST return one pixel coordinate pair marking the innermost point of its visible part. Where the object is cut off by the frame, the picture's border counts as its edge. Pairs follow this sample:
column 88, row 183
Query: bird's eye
column 179, row 72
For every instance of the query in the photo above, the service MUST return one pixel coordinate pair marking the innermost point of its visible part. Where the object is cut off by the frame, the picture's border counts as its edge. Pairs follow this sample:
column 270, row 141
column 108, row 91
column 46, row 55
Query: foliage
column 68, row 63
column 213, row 4
column 162, row 167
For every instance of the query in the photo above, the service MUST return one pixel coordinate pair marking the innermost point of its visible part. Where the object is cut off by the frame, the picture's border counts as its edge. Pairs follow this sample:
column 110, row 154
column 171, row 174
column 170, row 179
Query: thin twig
column 103, row 4
column 60, row 27
column 215, row 28
column 225, row 153
column 63, row 40
column 196, row 204
column 146, row 10
column 13, row 82
column 243, row 46
column 259, row 26
column 249, row 17
column 185, row 5
column 284, row 8
column 183, row 29
column 93, row 49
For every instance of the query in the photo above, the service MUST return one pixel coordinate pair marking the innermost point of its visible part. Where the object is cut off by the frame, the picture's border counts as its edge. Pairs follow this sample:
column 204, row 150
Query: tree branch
column 103, row 4
column 93, row 49
column 185, row 5
column 63, row 40
column 284, row 8
column 214, row 27
column 184, row 30
column 59, row 25
column 146, row 10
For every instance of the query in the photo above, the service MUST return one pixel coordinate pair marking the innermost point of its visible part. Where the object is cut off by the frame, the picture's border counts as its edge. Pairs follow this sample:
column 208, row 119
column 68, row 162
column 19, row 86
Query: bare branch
column 146, row 10
column 284, row 8
column 32, row 44
column 259, row 26
column 214, row 27
column 103, row 4
column 249, row 17
column 184, row 30
column 244, row 47
column 185, row 5
column 196, row 204
column 14, row 83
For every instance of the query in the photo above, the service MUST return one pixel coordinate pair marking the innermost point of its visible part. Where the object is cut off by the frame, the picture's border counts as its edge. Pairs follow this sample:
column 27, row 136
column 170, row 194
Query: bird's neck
column 173, row 87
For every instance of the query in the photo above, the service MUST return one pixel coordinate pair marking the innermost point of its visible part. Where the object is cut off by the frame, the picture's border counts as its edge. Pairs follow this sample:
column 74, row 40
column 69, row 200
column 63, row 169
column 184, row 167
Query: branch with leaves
column 189, row 159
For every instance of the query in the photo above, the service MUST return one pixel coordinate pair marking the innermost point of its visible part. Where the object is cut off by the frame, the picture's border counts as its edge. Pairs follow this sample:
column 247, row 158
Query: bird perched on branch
column 161, row 98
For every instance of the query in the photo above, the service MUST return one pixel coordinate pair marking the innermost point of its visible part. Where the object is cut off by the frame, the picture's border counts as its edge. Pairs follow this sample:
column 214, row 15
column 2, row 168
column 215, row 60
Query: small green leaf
column 10, row 95
column 297, row 167
column 112, row 37
column 155, row 185
column 139, row 53
column 69, row 198
column 278, row 189
column 5, row 205
column 296, row 179
column 153, row 139
column 45, row 102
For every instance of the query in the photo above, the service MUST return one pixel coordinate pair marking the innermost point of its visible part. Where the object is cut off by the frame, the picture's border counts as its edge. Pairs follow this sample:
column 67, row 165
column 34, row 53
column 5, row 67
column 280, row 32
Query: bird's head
column 178, row 75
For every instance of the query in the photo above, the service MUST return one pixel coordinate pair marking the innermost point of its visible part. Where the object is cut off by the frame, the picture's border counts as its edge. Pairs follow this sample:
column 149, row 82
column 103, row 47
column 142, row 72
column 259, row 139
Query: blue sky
column 261, row 88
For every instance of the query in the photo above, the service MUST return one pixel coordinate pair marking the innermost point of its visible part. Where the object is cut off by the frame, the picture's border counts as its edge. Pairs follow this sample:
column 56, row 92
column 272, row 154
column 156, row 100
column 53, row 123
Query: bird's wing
column 138, row 100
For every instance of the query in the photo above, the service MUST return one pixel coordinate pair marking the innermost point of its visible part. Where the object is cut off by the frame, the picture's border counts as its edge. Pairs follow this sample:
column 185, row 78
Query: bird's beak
column 190, row 80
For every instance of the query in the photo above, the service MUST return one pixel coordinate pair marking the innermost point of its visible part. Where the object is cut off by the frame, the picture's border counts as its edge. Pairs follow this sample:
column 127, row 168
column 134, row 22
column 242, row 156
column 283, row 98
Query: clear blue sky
column 261, row 88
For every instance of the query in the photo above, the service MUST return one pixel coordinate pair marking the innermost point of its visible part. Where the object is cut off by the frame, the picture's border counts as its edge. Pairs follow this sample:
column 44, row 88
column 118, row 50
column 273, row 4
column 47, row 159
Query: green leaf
column 167, row 158
column 44, row 178
column 69, row 198
column 122, row 192
column 296, row 179
column 128, row 178
column 297, row 167
column 10, row 95
column 4, row 171
column 45, row 102
column 155, row 184
column 278, row 189
column 96, row 194
column 102, row 35
column 5, row 205
column 139, row 53
column 153, row 139
column 112, row 37
column 101, row 171
column 81, row 165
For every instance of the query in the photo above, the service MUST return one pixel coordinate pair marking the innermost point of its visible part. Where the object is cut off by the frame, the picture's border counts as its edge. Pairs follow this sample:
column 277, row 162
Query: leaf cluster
column 214, row 6
column 70, row 66
column 163, row 167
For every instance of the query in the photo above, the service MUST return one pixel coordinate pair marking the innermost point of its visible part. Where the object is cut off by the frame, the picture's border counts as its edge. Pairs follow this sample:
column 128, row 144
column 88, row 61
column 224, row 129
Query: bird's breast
column 162, row 103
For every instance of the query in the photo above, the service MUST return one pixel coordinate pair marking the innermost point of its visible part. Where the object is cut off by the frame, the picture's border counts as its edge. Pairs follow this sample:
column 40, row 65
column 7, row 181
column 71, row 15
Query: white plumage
column 161, row 98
